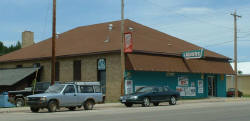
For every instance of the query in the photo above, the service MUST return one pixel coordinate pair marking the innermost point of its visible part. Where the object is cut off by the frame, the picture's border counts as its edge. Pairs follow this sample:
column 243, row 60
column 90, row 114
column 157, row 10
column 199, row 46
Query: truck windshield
column 57, row 88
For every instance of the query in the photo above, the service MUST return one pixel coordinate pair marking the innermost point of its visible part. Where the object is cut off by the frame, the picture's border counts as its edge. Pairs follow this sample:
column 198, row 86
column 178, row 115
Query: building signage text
column 193, row 54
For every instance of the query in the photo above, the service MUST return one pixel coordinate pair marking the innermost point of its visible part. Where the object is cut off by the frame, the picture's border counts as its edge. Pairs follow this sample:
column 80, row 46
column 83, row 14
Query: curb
column 14, row 109
column 26, row 109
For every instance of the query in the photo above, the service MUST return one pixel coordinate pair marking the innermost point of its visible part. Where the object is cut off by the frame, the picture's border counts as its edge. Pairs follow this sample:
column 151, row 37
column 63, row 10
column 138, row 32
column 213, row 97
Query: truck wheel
column 172, row 100
column 35, row 110
column 128, row 104
column 88, row 105
column 52, row 106
column 19, row 102
column 72, row 108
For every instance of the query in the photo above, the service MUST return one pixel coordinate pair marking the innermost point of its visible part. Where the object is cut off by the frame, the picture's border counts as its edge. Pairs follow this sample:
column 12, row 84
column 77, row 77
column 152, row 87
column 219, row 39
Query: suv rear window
column 97, row 88
column 86, row 89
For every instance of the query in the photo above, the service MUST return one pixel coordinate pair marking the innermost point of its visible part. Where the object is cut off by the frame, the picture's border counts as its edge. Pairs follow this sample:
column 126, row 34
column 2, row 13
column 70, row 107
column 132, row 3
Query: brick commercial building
column 92, row 53
column 243, row 78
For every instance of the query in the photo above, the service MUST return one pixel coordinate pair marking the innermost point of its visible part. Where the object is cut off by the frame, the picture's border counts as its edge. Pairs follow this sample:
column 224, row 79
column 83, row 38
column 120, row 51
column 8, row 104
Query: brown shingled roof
column 90, row 39
column 143, row 62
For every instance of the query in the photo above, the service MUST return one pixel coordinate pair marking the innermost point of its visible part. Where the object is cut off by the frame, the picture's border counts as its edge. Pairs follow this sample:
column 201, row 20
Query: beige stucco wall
column 243, row 84
column 89, row 71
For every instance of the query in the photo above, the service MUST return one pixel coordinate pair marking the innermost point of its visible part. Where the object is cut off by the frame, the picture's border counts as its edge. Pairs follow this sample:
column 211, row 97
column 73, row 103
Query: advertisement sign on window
column 200, row 86
column 181, row 90
column 182, row 81
column 186, row 91
column 128, row 86
column 190, row 91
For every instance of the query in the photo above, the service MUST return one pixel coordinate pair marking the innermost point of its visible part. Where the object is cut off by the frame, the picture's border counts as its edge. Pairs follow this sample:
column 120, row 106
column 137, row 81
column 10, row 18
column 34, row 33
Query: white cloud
column 194, row 10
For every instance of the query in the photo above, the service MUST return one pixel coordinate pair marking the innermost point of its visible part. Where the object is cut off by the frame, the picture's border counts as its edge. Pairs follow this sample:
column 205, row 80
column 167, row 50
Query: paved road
column 216, row 111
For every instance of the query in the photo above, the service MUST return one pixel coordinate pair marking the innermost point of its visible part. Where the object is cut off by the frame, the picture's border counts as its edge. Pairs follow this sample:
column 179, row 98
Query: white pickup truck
column 69, row 95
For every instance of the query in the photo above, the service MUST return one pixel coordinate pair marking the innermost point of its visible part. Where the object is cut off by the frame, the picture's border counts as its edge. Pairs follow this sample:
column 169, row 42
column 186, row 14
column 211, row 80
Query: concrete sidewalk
column 113, row 105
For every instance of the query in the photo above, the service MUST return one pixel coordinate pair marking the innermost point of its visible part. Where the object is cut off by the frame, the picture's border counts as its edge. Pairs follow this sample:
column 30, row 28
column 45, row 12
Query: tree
column 240, row 72
column 4, row 49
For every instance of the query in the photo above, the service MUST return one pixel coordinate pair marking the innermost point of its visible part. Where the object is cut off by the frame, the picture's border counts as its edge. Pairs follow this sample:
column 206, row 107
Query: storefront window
column 77, row 70
column 101, row 73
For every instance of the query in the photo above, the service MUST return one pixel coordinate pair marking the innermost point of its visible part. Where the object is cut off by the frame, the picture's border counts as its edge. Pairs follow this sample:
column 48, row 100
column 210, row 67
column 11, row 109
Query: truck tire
column 88, row 105
column 52, row 106
column 34, row 109
column 20, row 102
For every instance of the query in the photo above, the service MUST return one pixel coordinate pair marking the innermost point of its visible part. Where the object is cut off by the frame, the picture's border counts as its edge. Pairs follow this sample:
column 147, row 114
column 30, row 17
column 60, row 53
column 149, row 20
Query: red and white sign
column 128, row 43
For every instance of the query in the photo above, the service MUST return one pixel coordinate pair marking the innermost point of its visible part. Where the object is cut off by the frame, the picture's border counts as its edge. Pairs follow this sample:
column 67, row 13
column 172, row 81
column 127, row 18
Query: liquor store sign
column 193, row 54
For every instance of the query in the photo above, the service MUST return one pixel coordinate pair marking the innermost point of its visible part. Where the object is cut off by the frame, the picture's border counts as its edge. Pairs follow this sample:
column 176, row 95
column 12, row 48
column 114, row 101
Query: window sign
column 101, row 64
column 182, row 81
column 192, row 84
column 190, row 91
column 128, row 86
column 200, row 86
column 186, row 91
column 181, row 90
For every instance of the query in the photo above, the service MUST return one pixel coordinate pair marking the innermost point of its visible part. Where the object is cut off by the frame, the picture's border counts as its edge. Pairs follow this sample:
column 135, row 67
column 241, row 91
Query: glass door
column 212, row 86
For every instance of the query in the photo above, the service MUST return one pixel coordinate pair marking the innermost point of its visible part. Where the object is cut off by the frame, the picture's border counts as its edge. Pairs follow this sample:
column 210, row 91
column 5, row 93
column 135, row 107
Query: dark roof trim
column 116, row 51
column 176, row 55
column 64, row 56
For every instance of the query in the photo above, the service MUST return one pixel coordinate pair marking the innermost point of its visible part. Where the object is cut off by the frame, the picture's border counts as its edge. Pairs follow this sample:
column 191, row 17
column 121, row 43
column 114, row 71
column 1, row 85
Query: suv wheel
column 146, row 102
column 19, row 102
column 156, row 103
column 128, row 104
column 172, row 100
column 35, row 110
column 72, row 108
column 88, row 105
column 52, row 106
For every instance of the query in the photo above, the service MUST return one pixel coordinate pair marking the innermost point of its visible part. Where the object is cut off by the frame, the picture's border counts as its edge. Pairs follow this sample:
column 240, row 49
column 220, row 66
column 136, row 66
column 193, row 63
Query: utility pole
column 122, row 48
column 235, row 53
column 53, row 58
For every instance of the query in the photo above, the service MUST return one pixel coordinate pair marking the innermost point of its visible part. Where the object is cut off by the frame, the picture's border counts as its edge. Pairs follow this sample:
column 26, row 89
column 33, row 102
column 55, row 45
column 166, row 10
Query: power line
column 46, row 19
column 245, row 36
column 223, row 43
column 203, row 21
column 218, row 44
column 244, row 61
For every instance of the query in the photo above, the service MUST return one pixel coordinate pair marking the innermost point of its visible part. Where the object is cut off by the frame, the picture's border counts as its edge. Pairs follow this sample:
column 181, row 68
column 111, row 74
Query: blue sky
column 207, row 23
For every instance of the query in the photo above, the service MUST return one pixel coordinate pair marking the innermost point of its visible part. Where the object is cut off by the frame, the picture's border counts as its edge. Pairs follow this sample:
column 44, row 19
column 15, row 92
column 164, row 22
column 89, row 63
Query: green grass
column 246, row 96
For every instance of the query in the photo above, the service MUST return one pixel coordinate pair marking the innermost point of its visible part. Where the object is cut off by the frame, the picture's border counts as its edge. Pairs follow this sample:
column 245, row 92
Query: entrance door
column 212, row 86
column 102, row 79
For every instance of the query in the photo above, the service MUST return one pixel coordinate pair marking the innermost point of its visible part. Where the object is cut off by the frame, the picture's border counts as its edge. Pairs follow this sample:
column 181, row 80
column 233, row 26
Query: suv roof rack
column 84, row 83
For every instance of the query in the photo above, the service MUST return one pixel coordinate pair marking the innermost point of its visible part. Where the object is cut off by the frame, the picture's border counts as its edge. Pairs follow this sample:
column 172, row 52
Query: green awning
column 9, row 77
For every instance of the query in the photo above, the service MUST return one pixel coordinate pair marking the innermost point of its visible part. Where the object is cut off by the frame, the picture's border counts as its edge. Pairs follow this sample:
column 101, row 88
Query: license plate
column 123, row 101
